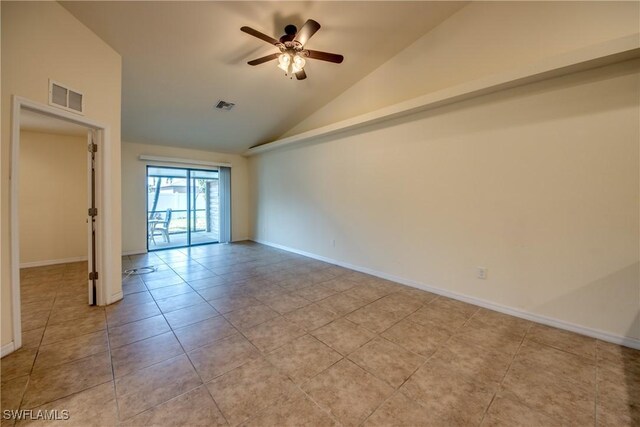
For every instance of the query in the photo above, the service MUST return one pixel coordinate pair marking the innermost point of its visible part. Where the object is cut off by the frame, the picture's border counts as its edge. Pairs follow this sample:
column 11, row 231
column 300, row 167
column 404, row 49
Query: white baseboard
column 556, row 323
column 134, row 252
column 6, row 349
column 51, row 262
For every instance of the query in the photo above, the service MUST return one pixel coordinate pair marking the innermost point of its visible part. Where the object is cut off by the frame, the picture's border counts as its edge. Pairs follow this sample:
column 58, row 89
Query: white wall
column 134, row 193
column 481, row 39
column 540, row 184
column 53, row 198
column 42, row 41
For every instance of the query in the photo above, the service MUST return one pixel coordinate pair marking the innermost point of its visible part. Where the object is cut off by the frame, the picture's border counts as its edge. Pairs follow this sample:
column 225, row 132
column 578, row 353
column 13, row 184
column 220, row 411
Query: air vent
column 224, row 105
column 64, row 97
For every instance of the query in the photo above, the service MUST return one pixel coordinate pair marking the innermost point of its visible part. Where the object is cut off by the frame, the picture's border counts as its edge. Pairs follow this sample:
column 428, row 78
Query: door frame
column 104, row 258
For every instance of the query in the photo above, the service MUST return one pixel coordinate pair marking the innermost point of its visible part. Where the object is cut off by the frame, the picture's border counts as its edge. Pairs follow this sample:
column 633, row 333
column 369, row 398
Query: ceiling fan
column 291, row 58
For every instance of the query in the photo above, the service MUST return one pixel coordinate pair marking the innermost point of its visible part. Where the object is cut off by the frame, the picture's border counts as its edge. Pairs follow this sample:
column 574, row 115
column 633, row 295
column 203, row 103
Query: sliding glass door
column 183, row 207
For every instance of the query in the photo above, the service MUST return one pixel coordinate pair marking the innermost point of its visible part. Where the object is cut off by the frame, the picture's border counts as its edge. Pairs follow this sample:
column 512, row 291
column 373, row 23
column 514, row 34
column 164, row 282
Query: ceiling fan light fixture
column 291, row 63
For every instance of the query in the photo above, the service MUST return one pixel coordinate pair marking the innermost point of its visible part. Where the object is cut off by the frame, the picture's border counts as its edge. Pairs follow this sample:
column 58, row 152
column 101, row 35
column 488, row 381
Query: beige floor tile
column 73, row 328
column 171, row 291
column 189, row 315
column 443, row 317
column 399, row 410
column 617, row 359
column 163, row 282
column 387, row 361
column 12, row 392
column 618, row 400
column 292, row 413
column 18, row 363
column 179, row 301
column 230, row 303
column 563, row 340
column 273, row 334
column 474, row 363
column 366, row 292
column 70, row 350
column 35, row 319
column 248, row 389
column 374, row 318
column 32, row 338
column 204, row 333
column 339, row 284
column 194, row 408
column 348, row 392
column 499, row 322
column 146, row 388
column 133, row 287
column 538, row 357
column 315, row 292
column 67, row 379
column 249, row 317
column 303, row 358
column 64, row 314
column 141, row 354
column 134, row 299
column 136, row 331
column 286, row 302
column 488, row 339
column 222, row 356
column 507, row 411
column 122, row 314
column 222, row 291
column 343, row 336
column 398, row 303
column 420, row 339
column 95, row 406
column 342, row 304
column 558, row 397
column 311, row 317
column 448, row 396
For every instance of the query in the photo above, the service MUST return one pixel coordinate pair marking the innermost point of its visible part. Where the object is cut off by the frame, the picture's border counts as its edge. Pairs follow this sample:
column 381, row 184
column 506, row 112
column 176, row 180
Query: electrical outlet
column 333, row 243
column 482, row 273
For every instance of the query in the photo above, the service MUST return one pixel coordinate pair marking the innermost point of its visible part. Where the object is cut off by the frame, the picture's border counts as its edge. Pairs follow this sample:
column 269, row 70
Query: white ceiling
column 180, row 58
column 36, row 122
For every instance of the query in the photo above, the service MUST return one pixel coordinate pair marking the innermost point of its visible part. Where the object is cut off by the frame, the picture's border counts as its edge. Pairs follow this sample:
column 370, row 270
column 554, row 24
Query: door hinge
column 93, row 276
column 93, row 211
column 93, row 148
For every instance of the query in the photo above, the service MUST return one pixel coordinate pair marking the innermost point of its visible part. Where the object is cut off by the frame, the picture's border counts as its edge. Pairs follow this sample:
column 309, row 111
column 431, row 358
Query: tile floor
column 246, row 334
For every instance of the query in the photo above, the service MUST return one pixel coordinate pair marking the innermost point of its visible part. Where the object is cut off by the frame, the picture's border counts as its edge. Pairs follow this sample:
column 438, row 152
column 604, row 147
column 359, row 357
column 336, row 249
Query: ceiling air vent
column 224, row 105
column 65, row 97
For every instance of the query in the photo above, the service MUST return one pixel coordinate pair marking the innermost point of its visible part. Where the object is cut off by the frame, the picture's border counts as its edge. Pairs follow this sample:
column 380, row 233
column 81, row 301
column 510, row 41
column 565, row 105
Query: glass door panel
column 204, row 207
column 167, row 208
column 182, row 207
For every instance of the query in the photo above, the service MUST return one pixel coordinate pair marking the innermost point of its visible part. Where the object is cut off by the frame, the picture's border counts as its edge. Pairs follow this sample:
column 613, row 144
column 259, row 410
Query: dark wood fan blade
column 258, row 34
column 264, row 59
column 308, row 29
column 325, row 56
column 301, row 75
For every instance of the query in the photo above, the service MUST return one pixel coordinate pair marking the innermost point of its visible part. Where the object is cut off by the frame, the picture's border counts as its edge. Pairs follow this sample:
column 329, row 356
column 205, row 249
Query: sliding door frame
column 189, row 202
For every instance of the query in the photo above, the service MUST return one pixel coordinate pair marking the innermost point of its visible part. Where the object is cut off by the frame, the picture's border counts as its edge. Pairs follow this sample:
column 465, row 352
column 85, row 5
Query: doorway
column 183, row 207
column 91, row 289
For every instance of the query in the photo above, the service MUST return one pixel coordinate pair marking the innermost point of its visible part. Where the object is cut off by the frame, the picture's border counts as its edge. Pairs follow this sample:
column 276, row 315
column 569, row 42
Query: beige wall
column 41, row 41
column 134, row 193
column 481, row 39
column 53, row 197
column 540, row 184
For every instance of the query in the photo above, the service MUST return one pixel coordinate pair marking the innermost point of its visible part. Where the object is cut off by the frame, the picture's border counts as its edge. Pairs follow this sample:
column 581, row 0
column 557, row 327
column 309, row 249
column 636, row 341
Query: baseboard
column 134, row 252
column 556, row 323
column 240, row 239
column 51, row 262
column 6, row 349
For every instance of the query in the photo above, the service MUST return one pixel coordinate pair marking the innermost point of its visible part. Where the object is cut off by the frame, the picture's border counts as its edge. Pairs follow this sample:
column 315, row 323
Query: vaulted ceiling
column 181, row 58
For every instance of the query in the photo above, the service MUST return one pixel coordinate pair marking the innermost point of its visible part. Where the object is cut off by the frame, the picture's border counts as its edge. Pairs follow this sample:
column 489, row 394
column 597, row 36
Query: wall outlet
column 482, row 273
column 333, row 243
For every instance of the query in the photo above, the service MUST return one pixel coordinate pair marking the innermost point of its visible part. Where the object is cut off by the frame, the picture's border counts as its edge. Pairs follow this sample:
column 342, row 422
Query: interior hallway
column 244, row 333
